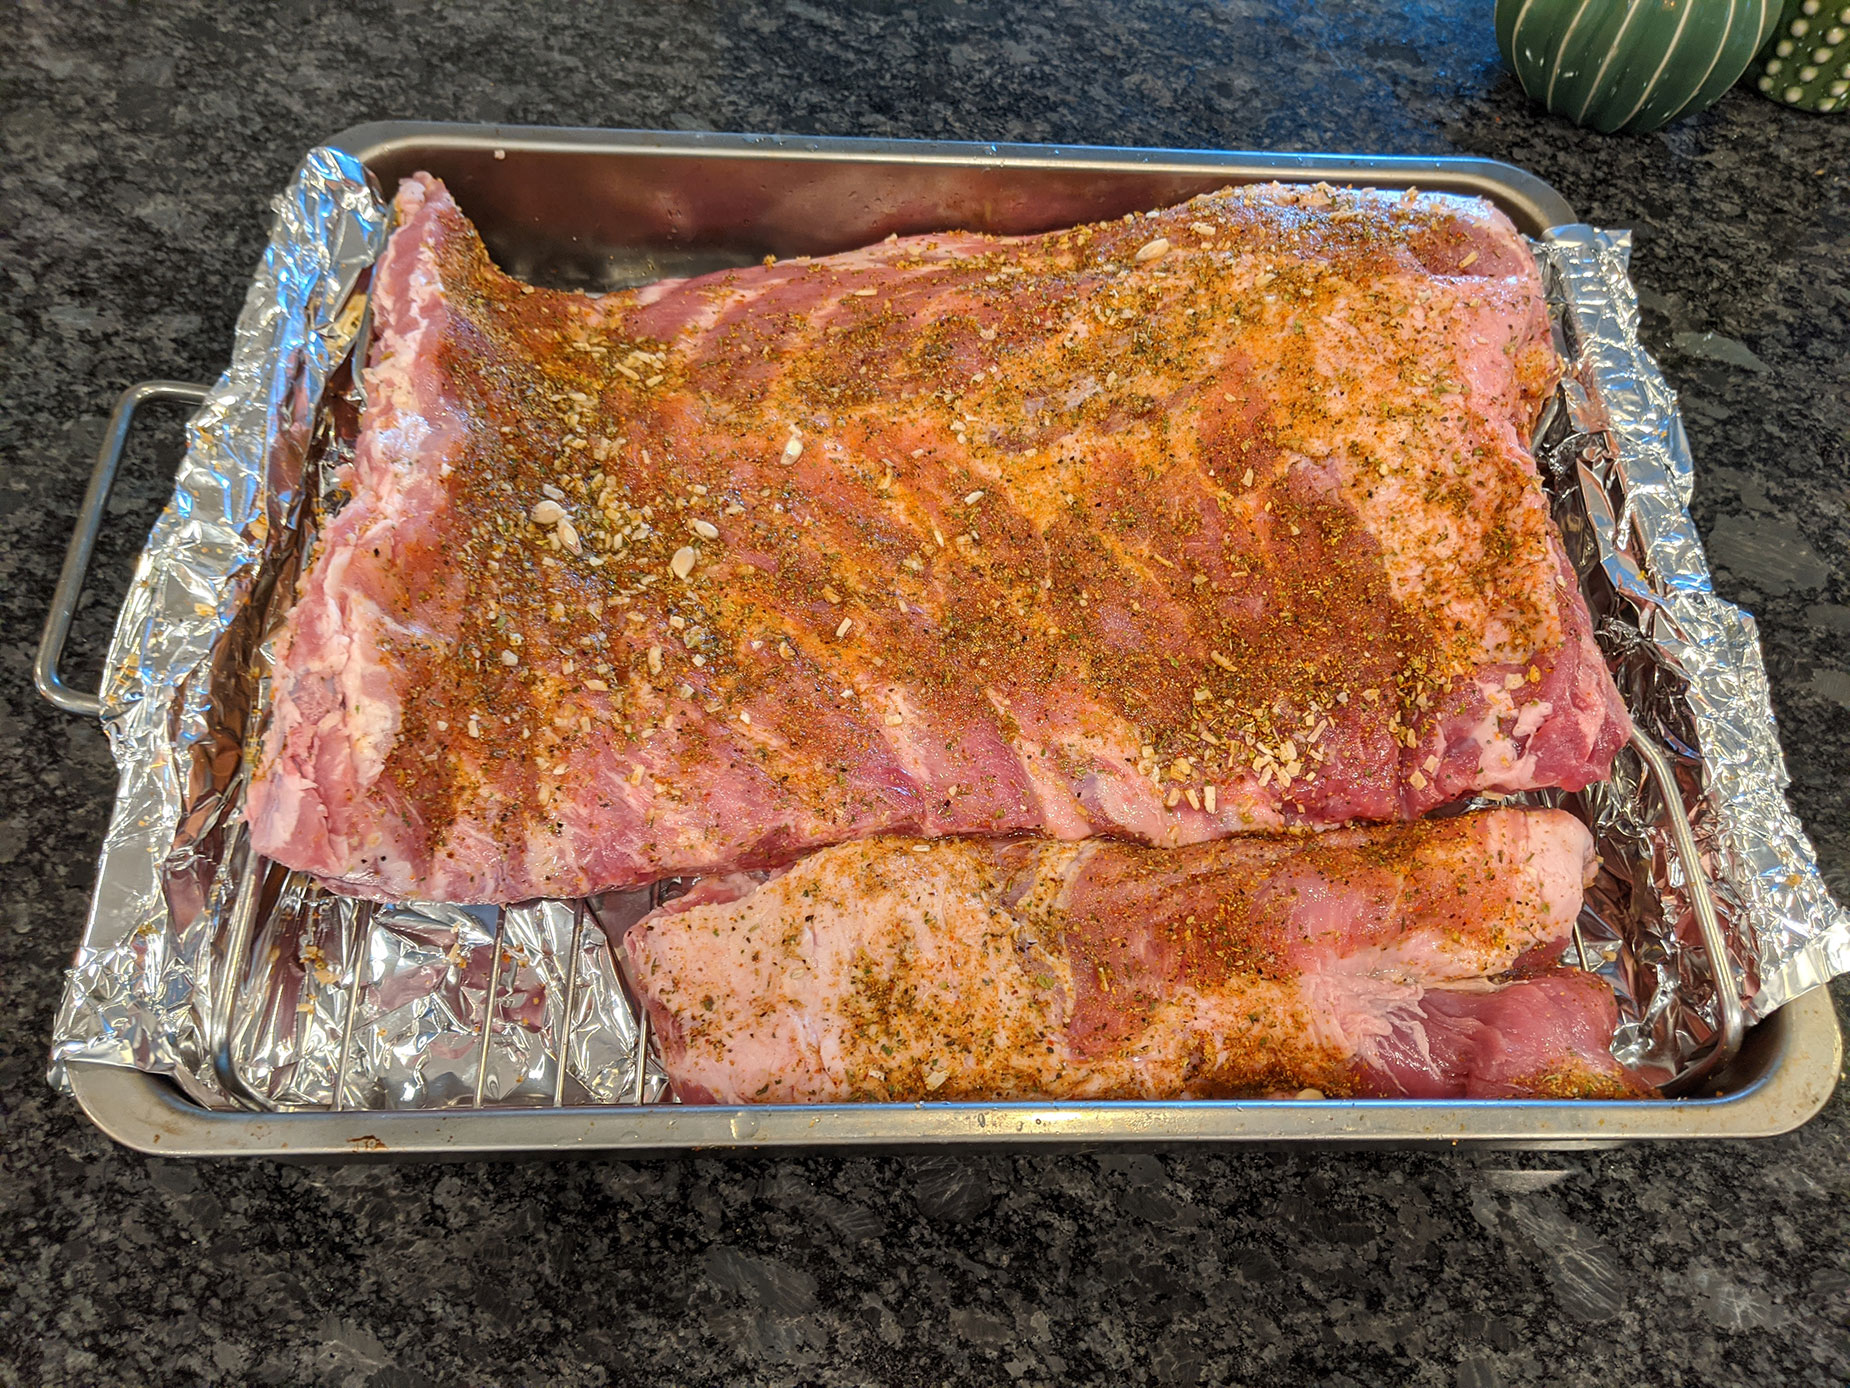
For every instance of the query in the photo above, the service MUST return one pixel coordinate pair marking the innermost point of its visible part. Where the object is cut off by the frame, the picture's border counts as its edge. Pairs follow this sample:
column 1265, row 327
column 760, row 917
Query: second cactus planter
column 1807, row 61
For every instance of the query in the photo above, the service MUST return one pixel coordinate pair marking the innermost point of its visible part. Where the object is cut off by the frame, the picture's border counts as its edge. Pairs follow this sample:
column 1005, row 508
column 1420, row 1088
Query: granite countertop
column 140, row 149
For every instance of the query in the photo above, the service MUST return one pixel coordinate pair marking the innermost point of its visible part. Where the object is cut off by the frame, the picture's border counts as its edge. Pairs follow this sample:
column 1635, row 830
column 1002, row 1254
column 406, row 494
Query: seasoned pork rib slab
column 1212, row 520
column 1357, row 962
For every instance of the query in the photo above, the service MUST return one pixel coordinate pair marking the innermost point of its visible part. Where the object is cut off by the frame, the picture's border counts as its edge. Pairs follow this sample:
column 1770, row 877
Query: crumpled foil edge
column 137, row 990
column 1794, row 936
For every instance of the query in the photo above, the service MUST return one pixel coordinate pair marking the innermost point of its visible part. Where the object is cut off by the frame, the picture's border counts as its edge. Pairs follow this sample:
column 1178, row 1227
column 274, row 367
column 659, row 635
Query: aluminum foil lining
column 145, row 973
column 1690, row 668
column 350, row 1004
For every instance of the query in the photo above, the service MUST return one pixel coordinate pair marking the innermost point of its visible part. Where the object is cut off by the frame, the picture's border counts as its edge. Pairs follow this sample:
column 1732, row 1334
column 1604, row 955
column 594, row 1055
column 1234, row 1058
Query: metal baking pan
column 1784, row 1073
column 600, row 209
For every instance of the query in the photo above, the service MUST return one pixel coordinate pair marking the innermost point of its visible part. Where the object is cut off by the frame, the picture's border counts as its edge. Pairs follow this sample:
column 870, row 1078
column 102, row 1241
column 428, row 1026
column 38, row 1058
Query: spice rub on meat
column 1212, row 520
column 1413, row 961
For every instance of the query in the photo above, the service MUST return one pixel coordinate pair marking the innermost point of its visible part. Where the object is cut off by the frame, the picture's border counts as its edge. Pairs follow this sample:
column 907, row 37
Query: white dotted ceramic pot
column 1807, row 61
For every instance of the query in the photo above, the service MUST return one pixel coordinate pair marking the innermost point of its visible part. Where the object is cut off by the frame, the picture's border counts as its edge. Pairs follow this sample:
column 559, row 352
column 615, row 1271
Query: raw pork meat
column 1212, row 520
column 1411, row 961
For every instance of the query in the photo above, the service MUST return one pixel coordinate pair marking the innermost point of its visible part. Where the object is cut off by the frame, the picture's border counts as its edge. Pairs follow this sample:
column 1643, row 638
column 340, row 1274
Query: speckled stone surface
column 138, row 149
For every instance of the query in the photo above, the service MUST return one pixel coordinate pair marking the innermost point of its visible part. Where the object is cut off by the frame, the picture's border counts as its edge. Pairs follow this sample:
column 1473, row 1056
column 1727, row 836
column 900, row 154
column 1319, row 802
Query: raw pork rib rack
column 1417, row 960
column 1211, row 520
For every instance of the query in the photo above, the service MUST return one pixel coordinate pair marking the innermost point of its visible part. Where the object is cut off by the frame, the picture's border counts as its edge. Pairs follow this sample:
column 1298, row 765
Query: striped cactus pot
column 1630, row 65
column 1807, row 61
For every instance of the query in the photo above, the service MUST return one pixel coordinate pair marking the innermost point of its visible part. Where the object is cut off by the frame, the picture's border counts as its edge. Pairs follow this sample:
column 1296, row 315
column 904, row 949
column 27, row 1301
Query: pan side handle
column 45, row 672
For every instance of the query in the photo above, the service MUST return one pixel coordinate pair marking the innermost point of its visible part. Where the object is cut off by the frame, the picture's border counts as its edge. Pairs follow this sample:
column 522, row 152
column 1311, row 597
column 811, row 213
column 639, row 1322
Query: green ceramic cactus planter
column 1807, row 61
column 1630, row 65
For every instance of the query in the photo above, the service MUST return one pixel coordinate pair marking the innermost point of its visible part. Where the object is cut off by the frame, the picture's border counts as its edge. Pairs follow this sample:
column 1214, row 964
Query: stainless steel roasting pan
column 600, row 209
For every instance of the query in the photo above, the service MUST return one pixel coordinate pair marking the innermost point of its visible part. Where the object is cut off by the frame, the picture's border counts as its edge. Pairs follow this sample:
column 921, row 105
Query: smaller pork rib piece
column 1209, row 521
column 1409, row 961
